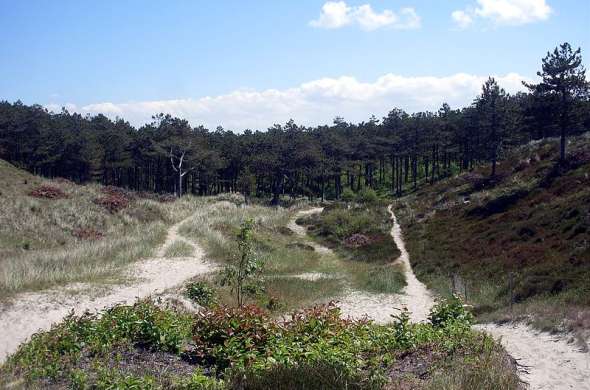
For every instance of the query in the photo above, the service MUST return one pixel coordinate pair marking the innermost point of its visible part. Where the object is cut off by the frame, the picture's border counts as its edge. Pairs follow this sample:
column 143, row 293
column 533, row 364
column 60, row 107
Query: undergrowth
column 245, row 348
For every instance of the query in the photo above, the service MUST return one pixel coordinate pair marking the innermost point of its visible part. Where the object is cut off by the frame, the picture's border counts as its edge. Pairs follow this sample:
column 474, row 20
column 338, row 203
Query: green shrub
column 368, row 196
column 348, row 195
column 201, row 293
column 227, row 335
column 240, row 347
column 450, row 311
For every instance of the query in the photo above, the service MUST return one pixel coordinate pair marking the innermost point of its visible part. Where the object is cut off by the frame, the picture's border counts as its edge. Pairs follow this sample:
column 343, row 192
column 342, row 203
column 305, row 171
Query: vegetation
column 278, row 285
column 360, row 233
column 53, row 232
column 243, row 274
column 145, row 346
column 519, row 242
column 202, row 293
column 391, row 154
column 179, row 249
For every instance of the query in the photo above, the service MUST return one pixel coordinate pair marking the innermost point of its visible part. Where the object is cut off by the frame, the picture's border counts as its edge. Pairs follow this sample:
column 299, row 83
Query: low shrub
column 48, row 192
column 357, row 241
column 113, row 202
column 90, row 234
column 238, row 348
column 450, row 311
column 368, row 196
column 348, row 195
column 201, row 293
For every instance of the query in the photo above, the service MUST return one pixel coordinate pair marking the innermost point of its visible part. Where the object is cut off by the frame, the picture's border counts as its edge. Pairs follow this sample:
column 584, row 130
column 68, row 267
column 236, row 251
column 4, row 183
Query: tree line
column 393, row 154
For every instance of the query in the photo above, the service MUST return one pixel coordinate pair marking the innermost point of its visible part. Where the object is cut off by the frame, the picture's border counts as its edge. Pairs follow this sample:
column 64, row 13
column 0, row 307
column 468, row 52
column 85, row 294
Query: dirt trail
column 31, row 312
column 380, row 307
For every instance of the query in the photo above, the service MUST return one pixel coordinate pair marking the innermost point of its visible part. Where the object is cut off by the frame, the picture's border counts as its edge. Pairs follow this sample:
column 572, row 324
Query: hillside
column 523, row 236
column 54, row 232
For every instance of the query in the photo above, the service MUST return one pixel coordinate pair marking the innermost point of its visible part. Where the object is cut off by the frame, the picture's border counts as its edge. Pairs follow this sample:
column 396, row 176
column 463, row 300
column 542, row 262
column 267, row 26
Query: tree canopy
column 392, row 154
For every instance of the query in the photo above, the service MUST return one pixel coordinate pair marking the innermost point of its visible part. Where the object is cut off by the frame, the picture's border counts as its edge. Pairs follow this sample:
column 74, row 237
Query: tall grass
column 179, row 249
column 38, row 244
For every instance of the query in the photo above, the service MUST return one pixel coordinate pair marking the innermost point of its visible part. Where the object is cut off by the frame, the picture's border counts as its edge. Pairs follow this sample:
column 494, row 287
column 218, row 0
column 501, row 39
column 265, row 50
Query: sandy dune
column 31, row 312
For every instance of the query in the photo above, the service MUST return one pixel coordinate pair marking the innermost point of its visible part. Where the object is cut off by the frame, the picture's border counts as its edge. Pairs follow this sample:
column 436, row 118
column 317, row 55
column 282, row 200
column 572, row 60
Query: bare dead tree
column 177, row 160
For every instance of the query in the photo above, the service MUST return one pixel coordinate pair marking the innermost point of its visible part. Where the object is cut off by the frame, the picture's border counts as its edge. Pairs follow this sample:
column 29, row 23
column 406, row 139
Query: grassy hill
column 53, row 232
column 523, row 236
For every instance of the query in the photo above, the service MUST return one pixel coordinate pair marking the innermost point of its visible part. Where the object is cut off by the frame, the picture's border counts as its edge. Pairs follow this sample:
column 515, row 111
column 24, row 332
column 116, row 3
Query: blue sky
column 252, row 63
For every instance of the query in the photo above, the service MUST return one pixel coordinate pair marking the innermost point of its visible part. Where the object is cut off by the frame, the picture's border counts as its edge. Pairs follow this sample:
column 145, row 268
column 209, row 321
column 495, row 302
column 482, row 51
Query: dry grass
column 39, row 247
column 491, row 370
column 179, row 249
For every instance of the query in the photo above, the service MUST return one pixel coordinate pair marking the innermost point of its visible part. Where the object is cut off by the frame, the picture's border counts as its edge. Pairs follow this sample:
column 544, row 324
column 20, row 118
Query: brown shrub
column 357, row 241
column 113, row 202
column 112, row 190
column 166, row 198
column 48, row 192
column 87, row 234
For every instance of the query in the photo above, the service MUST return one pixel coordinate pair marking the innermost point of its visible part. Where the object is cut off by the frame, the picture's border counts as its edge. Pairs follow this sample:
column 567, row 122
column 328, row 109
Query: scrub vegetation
column 360, row 234
column 522, row 236
column 148, row 347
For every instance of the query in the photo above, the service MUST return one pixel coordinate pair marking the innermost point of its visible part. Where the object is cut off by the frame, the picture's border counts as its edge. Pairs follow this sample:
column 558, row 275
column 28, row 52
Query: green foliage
column 234, row 346
column 348, row 195
column 403, row 330
column 368, row 196
column 450, row 311
column 244, row 274
column 201, row 293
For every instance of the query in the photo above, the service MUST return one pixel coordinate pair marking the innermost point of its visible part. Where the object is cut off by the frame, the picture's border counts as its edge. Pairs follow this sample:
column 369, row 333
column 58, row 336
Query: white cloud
column 504, row 12
column 312, row 103
column 337, row 14
column 462, row 19
column 334, row 14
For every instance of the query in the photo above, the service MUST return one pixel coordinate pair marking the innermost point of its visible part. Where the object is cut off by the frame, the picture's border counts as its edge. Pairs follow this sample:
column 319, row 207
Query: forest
column 392, row 154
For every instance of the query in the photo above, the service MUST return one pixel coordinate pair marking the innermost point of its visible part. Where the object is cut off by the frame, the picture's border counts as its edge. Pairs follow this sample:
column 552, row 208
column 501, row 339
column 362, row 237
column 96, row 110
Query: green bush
column 368, row 196
column 348, row 195
column 240, row 347
column 450, row 311
column 201, row 293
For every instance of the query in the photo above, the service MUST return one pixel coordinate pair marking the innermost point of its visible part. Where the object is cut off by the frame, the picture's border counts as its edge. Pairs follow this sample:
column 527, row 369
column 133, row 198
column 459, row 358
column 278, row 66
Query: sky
column 250, row 64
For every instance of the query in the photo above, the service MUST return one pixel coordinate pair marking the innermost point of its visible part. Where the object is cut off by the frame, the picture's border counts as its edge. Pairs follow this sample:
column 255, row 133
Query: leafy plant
column 348, row 195
column 367, row 195
column 201, row 293
column 448, row 311
column 244, row 274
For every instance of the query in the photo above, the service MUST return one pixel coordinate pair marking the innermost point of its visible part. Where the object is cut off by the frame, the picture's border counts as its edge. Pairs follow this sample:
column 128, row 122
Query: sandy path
column 301, row 232
column 548, row 362
column 379, row 307
column 31, row 312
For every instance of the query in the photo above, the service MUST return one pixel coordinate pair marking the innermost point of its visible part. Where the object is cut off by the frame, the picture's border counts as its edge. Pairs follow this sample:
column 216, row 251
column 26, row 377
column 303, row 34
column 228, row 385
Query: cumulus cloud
column 312, row 103
column 462, row 19
column 337, row 14
column 504, row 12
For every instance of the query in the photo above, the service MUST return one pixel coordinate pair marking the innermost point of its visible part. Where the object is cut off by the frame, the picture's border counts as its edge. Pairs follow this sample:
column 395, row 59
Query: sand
column 33, row 312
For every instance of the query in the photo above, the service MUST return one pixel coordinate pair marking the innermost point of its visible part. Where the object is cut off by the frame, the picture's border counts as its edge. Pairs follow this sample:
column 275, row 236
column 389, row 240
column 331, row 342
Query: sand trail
column 31, row 312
